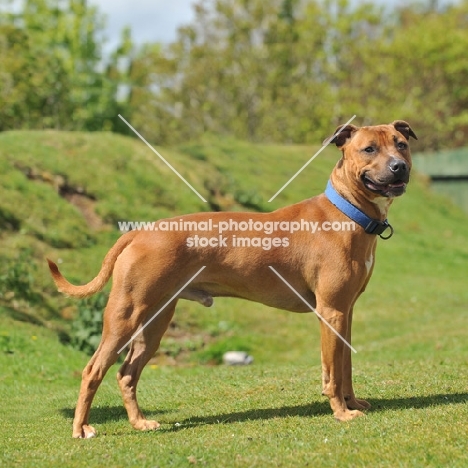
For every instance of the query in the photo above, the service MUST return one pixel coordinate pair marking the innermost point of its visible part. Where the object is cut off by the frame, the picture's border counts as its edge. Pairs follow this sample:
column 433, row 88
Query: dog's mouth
column 389, row 189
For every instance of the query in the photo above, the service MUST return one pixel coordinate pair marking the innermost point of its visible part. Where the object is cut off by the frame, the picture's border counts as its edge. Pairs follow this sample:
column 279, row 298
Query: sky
column 149, row 20
column 157, row 20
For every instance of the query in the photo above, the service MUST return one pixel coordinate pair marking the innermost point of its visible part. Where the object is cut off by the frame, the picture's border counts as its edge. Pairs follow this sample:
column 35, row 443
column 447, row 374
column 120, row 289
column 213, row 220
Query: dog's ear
column 342, row 133
column 404, row 128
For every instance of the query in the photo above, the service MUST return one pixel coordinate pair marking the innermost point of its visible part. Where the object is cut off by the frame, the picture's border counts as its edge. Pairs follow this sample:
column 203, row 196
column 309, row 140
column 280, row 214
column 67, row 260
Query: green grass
column 409, row 326
column 263, row 415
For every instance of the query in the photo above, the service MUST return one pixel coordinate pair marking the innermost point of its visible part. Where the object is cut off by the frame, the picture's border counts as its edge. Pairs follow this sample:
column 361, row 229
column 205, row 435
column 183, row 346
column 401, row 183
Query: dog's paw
column 146, row 425
column 85, row 432
column 347, row 415
column 353, row 403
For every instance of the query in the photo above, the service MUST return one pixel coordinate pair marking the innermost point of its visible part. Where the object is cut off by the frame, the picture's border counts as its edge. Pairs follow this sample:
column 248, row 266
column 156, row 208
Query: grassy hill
column 61, row 196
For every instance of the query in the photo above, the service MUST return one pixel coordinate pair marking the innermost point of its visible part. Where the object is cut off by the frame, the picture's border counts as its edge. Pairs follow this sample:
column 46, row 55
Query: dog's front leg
column 351, row 401
column 333, row 360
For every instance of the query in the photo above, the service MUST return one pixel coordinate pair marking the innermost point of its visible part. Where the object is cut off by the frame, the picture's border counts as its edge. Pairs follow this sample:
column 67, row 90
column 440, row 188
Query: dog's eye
column 402, row 146
column 369, row 149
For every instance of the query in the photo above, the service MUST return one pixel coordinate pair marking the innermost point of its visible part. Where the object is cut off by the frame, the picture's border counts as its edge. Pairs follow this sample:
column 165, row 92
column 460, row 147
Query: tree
column 264, row 71
column 52, row 63
column 290, row 70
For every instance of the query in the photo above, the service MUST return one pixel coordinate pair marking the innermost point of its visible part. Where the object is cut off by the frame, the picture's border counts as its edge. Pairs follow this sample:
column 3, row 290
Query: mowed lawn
column 262, row 415
column 410, row 332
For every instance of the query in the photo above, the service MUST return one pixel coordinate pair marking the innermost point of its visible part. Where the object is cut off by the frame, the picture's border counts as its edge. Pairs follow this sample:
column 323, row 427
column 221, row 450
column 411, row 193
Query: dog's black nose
column 398, row 167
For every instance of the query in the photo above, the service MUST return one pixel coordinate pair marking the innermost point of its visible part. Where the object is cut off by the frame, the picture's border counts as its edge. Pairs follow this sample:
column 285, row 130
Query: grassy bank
column 61, row 195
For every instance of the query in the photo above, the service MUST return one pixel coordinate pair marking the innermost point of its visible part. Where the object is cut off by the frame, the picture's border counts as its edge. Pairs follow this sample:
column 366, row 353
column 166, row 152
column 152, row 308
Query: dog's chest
column 369, row 262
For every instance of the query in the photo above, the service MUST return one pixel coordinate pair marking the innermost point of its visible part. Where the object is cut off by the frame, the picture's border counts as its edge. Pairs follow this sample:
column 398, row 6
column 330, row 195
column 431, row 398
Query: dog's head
column 378, row 157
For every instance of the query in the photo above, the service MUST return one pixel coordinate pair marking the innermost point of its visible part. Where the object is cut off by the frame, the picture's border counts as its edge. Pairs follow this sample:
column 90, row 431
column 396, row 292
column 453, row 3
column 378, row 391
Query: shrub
column 86, row 328
column 213, row 354
column 17, row 278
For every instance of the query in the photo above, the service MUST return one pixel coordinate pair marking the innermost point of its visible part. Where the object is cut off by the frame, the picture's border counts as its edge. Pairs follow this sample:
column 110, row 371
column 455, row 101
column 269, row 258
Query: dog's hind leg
column 120, row 321
column 141, row 351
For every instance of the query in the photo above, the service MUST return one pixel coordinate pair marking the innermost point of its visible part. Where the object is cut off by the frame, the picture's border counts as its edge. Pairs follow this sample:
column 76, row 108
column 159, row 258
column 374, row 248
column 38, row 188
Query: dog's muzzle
column 393, row 183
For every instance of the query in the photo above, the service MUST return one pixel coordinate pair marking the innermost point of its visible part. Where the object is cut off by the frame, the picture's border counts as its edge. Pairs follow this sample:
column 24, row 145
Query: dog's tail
column 103, row 276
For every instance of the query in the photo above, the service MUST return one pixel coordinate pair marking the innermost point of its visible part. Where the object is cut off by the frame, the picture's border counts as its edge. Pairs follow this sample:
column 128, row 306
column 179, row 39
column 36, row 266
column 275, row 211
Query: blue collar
column 370, row 225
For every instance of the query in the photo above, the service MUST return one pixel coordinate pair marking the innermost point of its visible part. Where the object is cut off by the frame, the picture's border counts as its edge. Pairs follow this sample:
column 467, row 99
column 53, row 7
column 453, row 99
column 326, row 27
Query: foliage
column 17, row 279
column 8, row 221
column 51, row 67
column 213, row 354
column 86, row 328
column 287, row 71
column 278, row 71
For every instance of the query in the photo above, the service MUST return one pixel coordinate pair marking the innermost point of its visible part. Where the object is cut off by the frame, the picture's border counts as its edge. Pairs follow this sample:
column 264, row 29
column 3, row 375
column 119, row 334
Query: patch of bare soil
column 74, row 194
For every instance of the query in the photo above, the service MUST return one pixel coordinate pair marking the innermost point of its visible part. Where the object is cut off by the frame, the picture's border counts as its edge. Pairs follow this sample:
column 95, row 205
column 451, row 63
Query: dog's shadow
column 105, row 414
